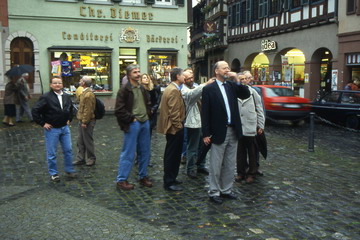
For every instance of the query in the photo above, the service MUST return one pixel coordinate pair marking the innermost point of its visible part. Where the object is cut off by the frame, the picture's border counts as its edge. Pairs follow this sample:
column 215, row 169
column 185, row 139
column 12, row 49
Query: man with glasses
column 54, row 111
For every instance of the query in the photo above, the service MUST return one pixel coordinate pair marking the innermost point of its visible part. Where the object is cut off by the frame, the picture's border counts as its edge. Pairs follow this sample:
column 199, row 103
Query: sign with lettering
column 267, row 45
column 114, row 13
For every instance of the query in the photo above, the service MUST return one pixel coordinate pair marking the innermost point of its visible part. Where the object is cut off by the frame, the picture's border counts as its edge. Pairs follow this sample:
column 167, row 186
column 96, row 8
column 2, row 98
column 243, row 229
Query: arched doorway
column 235, row 65
column 322, row 68
column 260, row 69
column 22, row 52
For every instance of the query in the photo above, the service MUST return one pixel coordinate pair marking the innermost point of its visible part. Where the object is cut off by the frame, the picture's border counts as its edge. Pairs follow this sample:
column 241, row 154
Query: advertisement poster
column 334, row 79
column 56, row 68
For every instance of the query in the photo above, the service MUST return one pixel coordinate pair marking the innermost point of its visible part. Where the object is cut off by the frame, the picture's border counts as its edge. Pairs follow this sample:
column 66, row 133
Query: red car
column 281, row 104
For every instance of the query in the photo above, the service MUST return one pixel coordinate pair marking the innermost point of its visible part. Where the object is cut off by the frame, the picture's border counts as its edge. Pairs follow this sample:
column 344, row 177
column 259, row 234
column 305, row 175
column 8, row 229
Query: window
column 255, row 10
column 243, row 12
column 233, row 18
column 296, row 3
column 350, row 6
column 274, row 6
column 98, row 1
column 164, row 2
column 248, row 10
column 73, row 64
column 131, row 1
column 160, row 65
column 238, row 14
column 263, row 8
column 230, row 16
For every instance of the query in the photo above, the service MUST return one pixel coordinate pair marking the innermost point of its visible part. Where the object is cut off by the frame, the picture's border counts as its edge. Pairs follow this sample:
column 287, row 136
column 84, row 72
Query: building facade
column 285, row 42
column 349, row 41
column 98, row 38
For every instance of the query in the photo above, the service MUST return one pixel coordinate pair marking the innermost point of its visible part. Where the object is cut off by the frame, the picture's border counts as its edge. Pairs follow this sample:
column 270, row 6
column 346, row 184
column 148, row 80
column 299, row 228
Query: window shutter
column 180, row 2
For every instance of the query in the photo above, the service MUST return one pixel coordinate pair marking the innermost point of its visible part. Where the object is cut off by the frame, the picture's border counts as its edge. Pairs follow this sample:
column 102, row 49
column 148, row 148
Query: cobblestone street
column 302, row 195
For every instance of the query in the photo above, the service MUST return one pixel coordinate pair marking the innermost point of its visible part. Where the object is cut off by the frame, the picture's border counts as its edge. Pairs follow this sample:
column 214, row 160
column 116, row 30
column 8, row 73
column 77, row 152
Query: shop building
column 290, row 42
column 349, row 41
column 98, row 38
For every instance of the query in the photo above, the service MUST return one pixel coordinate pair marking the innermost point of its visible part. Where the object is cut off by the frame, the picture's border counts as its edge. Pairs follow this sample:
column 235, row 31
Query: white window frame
column 132, row 1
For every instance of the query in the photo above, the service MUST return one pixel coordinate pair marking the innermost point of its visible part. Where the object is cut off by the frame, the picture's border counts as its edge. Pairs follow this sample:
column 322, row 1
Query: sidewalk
column 302, row 195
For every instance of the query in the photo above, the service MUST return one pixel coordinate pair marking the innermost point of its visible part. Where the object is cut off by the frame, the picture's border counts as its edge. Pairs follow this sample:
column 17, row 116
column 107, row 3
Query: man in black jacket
column 53, row 111
column 221, row 127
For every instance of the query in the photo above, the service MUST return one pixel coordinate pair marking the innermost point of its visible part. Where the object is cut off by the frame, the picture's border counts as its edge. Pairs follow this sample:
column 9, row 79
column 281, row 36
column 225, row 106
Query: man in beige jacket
column 86, row 117
column 170, row 123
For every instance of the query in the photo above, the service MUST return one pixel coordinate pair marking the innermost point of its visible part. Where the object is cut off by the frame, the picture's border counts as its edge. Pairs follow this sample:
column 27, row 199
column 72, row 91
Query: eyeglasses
column 60, row 83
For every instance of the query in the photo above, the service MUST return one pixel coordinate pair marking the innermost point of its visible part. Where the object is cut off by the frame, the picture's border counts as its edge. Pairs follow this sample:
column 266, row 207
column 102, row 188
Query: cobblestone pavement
column 303, row 195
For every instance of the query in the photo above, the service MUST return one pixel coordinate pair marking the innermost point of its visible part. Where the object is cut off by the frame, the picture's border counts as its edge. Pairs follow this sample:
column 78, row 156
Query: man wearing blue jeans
column 53, row 111
column 132, row 110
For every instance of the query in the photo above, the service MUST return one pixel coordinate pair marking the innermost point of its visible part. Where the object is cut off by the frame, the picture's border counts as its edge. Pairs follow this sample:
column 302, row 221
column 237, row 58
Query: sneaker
column 55, row 178
column 124, row 185
column 146, row 182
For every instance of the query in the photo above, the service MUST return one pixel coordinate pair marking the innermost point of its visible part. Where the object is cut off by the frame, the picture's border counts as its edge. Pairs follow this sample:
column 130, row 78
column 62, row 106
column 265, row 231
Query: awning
column 80, row 48
column 162, row 50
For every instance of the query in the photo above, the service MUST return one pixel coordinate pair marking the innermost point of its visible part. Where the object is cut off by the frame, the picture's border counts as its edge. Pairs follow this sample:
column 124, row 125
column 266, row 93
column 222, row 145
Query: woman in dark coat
column 10, row 99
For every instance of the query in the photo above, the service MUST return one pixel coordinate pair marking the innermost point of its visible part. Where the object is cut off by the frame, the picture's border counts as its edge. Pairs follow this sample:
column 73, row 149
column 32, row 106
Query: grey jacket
column 252, row 117
column 191, row 97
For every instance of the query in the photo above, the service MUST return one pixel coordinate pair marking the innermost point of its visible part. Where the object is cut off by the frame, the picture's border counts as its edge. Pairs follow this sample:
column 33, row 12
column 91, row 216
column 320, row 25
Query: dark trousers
column 204, row 149
column 247, row 148
column 172, row 157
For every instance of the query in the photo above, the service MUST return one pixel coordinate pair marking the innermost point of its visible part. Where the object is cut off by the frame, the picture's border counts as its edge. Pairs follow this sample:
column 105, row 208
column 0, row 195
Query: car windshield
column 279, row 92
column 332, row 97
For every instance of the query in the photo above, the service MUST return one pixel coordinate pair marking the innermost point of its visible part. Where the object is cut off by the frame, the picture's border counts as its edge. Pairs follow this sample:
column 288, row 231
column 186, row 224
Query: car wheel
column 352, row 122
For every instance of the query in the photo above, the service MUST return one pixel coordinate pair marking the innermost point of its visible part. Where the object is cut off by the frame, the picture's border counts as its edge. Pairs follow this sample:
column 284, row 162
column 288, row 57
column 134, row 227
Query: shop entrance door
column 22, row 52
column 127, row 56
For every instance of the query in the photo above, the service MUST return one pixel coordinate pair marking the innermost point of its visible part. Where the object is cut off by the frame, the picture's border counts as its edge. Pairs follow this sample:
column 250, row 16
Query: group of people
column 16, row 99
column 224, row 115
column 354, row 85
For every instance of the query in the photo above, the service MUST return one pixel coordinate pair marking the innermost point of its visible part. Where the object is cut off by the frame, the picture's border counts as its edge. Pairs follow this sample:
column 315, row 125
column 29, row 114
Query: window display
column 73, row 65
column 160, row 64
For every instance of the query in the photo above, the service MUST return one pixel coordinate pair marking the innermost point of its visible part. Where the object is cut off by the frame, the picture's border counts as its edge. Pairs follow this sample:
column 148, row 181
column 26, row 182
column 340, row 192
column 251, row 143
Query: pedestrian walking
column 172, row 115
column 23, row 98
column 253, row 123
column 10, row 99
column 87, row 121
column 221, row 126
column 54, row 111
column 132, row 110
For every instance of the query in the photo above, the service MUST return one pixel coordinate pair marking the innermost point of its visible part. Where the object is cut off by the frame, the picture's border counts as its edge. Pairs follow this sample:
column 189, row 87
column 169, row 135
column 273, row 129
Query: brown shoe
column 70, row 175
column 145, row 182
column 239, row 178
column 124, row 185
column 79, row 162
column 250, row 179
column 90, row 162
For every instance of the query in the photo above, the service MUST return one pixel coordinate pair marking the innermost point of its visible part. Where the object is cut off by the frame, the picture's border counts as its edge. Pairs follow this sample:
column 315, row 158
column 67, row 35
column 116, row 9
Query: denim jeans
column 52, row 138
column 193, row 140
column 136, row 139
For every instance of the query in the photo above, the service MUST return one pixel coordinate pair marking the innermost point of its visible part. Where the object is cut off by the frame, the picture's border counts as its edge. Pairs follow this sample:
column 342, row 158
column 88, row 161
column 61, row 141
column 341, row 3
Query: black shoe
column 216, row 199
column 192, row 174
column 177, row 182
column 259, row 173
column 229, row 196
column 174, row 188
column 203, row 171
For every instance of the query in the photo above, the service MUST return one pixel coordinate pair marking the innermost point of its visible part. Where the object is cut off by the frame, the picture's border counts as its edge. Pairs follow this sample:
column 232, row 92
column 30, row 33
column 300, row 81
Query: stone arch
column 32, row 38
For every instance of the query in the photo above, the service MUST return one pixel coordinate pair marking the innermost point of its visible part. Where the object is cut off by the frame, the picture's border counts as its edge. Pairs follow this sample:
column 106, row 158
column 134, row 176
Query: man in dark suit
column 172, row 116
column 221, row 126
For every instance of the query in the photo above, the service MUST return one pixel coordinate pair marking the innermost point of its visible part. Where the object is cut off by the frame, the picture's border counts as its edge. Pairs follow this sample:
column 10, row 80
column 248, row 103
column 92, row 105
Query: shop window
column 293, row 68
column 260, row 69
column 160, row 65
column 72, row 65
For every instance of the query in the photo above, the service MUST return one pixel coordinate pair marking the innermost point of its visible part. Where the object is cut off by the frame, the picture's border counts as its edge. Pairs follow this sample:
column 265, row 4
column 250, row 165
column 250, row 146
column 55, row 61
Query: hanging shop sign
column 129, row 35
column 210, row 27
column 114, row 13
column 267, row 45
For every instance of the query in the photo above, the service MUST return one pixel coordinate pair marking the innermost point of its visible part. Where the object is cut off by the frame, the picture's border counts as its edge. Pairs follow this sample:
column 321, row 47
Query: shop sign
column 161, row 39
column 210, row 27
column 114, row 13
column 267, row 45
column 86, row 36
column 129, row 35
